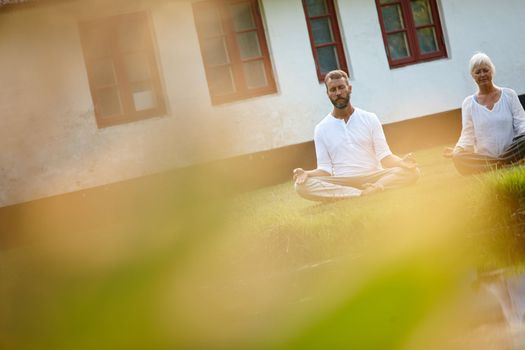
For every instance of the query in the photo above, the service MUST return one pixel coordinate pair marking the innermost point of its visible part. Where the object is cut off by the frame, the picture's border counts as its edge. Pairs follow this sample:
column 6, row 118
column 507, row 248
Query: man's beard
column 341, row 103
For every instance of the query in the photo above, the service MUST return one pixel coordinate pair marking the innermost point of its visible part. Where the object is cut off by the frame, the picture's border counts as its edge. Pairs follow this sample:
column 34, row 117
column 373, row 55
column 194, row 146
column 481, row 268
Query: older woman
column 493, row 119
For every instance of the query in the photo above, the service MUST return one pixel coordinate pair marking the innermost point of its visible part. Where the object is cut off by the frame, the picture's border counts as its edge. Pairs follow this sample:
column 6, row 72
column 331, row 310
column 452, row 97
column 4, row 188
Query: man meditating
column 353, row 157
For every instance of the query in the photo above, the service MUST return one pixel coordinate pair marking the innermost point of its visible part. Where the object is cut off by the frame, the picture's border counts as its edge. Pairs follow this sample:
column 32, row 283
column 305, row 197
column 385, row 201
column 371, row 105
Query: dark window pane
column 137, row 67
column 322, row 31
column 398, row 46
column 143, row 96
column 327, row 59
column 255, row 74
column 220, row 81
column 427, row 40
column 132, row 35
column 214, row 51
column 209, row 21
column 421, row 12
column 249, row 44
column 108, row 102
column 242, row 16
column 102, row 72
column 392, row 17
column 316, row 7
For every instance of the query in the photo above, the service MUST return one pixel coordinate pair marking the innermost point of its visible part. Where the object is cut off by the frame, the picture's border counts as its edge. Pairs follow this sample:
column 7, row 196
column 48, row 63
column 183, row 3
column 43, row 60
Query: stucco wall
column 469, row 26
column 51, row 143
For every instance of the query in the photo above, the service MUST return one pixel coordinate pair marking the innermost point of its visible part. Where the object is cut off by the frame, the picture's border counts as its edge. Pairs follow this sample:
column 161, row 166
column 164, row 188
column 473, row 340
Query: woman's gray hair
column 481, row 58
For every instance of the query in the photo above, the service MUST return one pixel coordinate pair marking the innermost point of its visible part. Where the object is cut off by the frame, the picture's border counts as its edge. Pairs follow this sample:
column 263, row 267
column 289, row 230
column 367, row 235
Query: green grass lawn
column 268, row 269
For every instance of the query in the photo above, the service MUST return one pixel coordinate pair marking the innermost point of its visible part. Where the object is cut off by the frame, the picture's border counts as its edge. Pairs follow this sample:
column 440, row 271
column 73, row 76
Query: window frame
column 411, row 31
column 122, row 84
column 338, row 41
column 234, row 52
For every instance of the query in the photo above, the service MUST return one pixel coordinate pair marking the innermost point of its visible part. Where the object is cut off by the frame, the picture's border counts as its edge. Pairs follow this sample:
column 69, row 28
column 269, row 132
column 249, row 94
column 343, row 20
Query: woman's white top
column 490, row 131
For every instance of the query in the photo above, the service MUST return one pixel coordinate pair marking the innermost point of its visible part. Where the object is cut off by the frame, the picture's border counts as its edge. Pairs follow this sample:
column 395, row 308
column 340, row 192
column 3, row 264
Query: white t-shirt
column 350, row 149
column 490, row 132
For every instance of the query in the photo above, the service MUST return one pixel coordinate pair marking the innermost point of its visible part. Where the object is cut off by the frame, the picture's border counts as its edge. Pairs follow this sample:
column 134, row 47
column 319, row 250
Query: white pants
column 325, row 188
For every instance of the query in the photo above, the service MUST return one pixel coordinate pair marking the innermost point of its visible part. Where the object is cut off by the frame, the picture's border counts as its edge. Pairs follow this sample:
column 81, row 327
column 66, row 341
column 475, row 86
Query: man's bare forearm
column 391, row 161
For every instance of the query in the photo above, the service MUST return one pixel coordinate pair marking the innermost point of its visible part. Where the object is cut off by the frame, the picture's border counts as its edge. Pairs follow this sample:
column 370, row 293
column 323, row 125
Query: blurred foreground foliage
column 185, row 264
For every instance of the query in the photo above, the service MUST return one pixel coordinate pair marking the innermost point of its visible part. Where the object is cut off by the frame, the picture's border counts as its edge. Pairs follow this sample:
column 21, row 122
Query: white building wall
column 48, row 133
column 430, row 87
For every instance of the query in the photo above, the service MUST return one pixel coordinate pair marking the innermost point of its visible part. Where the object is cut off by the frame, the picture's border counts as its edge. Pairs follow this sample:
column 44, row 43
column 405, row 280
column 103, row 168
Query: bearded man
column 353, row 157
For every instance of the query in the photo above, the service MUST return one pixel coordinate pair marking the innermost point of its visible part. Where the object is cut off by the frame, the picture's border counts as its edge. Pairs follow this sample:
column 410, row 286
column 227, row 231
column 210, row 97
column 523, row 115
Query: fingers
column 409, row 157
column 447, row 152
column 409, row 161
column 296, row 173
column 299, row 176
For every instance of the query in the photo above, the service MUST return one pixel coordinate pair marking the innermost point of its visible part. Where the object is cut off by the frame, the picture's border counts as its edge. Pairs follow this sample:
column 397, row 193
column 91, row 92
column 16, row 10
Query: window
column 233, row 48
column 122, row 69
column 325, row 37
column 411, row 31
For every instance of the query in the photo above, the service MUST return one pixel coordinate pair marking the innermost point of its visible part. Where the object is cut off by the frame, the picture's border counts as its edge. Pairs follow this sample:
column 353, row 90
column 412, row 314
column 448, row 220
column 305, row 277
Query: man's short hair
column 335, row 74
